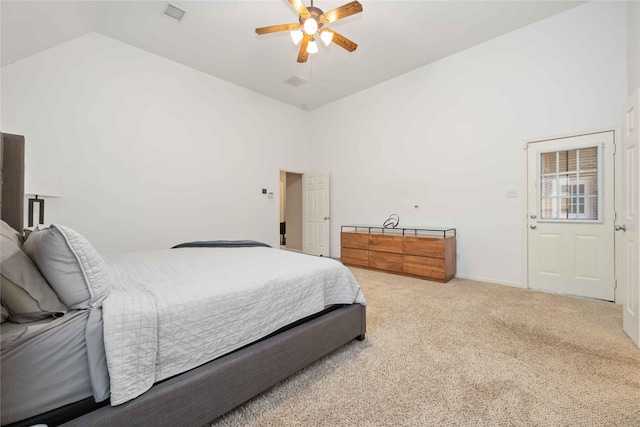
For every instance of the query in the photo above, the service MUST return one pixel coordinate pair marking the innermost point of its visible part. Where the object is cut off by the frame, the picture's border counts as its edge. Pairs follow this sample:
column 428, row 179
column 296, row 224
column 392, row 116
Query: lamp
column 326, row 36
column 310, row 26
column 39, row 185
column 296, row 36
column 312, row 47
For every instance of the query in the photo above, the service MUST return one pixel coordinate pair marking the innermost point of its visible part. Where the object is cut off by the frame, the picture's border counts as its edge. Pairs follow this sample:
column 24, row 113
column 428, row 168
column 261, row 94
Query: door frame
column 618, row 293
column 286, row 171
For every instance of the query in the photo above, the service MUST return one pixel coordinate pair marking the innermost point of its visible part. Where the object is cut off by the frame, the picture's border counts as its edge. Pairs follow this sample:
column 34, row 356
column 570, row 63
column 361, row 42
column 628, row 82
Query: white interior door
column 570, row 208
column 627, row 223
column 315, row 211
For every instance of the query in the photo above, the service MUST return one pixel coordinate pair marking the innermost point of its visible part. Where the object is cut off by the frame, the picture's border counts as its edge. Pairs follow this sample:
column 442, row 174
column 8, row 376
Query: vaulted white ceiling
column 218, row 37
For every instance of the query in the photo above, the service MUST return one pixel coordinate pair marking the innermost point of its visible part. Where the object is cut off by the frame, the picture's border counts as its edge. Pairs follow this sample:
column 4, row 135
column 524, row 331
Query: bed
column 85, row 364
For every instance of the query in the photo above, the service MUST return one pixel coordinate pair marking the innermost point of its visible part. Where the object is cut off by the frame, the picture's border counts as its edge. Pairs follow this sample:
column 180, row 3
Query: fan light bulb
column 310, row 26
column 326, row 37
column 312, row 47
column 296, row 36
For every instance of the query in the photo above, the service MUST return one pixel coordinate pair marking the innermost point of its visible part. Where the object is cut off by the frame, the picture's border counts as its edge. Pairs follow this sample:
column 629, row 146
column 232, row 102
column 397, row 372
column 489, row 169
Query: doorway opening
column 291, row 211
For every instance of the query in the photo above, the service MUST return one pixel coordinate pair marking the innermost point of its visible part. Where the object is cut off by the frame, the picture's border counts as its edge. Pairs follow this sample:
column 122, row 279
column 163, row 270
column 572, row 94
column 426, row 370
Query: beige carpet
column 464, row 353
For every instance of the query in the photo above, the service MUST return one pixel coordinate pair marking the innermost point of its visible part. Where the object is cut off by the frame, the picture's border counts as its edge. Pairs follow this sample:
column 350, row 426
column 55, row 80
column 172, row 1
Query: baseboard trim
column 494, row 281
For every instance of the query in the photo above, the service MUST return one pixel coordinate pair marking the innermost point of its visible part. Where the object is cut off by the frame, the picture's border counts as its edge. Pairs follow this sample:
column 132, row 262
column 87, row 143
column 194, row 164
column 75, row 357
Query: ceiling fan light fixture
column 310, row 26
column 311, row 23
column 326, row 37
column 312, row 47
column 296, row 36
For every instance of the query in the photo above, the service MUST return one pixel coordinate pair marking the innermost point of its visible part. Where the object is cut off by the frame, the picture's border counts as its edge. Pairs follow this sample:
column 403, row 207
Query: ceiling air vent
column 296, row 80
column 174, row 12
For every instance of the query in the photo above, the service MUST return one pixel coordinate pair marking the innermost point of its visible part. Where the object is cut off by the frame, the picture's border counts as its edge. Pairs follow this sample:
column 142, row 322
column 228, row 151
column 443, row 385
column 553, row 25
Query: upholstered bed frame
column 12, row 179
column 204, row 393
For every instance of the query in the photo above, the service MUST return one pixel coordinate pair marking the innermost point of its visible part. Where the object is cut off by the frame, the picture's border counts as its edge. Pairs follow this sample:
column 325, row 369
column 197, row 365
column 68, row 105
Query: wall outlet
column 511, row 193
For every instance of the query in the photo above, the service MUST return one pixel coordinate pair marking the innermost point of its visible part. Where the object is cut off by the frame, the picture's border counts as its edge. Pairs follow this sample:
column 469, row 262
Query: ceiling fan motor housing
column 315, row 14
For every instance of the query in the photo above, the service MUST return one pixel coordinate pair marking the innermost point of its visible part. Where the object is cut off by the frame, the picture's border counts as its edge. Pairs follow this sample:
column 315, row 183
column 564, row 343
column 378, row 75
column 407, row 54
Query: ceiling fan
column 312, row 22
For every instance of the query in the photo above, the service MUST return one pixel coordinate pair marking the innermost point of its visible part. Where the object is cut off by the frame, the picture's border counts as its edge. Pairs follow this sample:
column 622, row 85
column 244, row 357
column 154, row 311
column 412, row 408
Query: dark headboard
column 12, row 180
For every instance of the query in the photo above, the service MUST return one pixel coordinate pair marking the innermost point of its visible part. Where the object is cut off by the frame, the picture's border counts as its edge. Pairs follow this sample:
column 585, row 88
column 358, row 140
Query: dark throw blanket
column 222, row 244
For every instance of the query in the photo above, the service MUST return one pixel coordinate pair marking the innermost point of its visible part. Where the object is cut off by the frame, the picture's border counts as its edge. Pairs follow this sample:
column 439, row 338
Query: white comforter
column 170, row 311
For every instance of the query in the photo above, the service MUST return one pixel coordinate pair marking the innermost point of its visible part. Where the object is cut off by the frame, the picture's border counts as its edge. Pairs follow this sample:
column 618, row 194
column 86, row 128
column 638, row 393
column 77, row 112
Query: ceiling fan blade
column 303, row 54
column 276, row 28
column 300, row 8
column 341, row 12
column 342, row 41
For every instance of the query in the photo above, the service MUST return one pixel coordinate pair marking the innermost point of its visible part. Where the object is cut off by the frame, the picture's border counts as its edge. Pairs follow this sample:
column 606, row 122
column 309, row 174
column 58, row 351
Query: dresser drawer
column 385, row 243
column 385, row 261
column 354, row 240
column 424, row 246
column 424, row 266
column 354, row 256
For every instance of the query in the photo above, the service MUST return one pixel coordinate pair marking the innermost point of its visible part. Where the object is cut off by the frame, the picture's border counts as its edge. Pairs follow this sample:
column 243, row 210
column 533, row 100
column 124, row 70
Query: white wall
column 449, row 136
column 150, row 153
column 633, row 45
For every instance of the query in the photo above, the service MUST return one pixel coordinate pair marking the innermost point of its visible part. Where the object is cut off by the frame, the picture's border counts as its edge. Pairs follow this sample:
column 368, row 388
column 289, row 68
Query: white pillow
column 10, row 233
column 71, row 265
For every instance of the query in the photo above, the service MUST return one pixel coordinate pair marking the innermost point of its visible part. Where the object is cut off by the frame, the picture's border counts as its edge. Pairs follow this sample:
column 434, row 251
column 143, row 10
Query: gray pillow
column 73, row 268
column 25, row 292
column 4, row 314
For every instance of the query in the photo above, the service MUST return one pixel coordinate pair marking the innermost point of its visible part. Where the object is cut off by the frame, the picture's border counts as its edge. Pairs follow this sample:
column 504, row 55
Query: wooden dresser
column 429, row 253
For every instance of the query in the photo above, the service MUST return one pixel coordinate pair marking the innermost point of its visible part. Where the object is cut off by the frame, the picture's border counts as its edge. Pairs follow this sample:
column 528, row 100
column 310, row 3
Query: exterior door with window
column 570, row 208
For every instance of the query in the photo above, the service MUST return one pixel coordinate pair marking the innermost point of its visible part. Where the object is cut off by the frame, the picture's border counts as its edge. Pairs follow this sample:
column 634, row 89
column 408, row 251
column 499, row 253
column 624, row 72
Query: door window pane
column 548, row 163
column 569, row 184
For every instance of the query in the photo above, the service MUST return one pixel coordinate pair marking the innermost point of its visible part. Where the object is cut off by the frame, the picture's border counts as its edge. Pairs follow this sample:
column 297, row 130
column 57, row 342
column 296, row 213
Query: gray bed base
column 205, row 393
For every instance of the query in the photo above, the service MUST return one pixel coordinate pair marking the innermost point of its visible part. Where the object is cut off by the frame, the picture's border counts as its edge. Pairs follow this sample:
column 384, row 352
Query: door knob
column 532, row 216
column 622, row 227
column 326, row 218
column 533, row 226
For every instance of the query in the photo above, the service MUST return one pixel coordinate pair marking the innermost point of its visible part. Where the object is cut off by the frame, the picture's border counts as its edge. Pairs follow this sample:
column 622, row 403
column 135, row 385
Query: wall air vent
column 296, row 80
column 174, row 12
